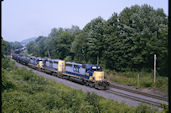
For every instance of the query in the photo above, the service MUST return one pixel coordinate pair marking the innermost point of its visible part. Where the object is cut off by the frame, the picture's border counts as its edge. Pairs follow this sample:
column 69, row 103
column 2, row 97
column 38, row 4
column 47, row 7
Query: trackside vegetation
column 25, row 91
column 131, row 79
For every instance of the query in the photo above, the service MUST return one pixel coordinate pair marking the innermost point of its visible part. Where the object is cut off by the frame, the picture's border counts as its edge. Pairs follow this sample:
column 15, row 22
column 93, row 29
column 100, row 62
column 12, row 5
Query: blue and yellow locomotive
column 88, row 74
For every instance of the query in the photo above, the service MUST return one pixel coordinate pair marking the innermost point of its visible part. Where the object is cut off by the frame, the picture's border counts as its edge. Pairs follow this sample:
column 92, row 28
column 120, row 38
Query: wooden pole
column 97, row 59
column 138, row 80
column 155, row 68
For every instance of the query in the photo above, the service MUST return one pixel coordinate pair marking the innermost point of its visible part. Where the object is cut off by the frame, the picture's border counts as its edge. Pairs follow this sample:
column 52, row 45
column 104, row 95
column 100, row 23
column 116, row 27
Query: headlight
column 93, row 67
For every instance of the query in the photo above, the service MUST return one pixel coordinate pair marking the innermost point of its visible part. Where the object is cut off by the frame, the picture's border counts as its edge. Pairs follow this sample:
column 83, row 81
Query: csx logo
column 76, row 68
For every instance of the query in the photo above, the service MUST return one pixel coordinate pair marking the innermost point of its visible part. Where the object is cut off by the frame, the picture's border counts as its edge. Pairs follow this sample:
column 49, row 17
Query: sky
column 23, row 19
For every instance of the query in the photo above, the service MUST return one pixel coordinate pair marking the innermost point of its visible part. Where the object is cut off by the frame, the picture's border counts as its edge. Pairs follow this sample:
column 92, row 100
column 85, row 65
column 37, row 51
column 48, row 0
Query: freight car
column 88, row 74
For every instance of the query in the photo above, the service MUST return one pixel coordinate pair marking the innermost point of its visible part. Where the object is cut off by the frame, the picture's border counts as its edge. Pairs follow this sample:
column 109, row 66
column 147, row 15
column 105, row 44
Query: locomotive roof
column 44, row 59
column 38, row 58
column 53, row 60
column 56, row 60
column 32, row 57
column 89, row 66
column 74, row 63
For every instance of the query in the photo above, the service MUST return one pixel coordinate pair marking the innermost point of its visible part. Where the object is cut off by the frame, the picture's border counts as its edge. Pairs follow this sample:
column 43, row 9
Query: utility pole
column 155, row 68
column 138, row 80
column 97, row 59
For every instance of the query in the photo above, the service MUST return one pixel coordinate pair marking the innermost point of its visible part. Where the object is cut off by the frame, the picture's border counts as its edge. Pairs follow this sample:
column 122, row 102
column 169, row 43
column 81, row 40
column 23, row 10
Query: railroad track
column 135, row 98
column 128, row 96
column 141, row 93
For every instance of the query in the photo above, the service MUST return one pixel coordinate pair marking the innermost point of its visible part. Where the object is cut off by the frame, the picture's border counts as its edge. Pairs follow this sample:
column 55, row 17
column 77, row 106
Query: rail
column 141, row 93
column 135, row 98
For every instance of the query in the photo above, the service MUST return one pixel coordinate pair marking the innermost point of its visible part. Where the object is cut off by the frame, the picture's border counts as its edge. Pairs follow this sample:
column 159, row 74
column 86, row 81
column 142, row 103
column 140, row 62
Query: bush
column 145, row 79
column 6, row 83
column 18, row 101
column 142, row 108
column 29, row 76
column 162, row 82
column 68, row 58
column 92, row 98
column 7, row 64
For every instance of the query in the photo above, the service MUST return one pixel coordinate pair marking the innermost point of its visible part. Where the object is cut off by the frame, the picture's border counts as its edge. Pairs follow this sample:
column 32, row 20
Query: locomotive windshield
column 96, row 68
column 92, row 68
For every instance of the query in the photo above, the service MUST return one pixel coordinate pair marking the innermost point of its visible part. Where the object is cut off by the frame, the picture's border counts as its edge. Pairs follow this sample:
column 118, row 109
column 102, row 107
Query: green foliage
column 5, row 48
column 142, row 108
column 37, row 47
column 56, row 45
column 15, row 45
column 79, row 47
column 136, row 39
column 145, row 79
column 92, row 99
column 7, row 64
column 18, row 101
column 162, row 82
column 6, row 84
column 68, row 58
column 63, row 45
column 31, row 47
column 165, row 108
column 95, row 30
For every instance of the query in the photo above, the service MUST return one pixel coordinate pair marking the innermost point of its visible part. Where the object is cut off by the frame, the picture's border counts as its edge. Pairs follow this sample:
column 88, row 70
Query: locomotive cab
column 39, row 62
column 98, row 74
column 44, row 62
column 95, row 72
column 61, row 66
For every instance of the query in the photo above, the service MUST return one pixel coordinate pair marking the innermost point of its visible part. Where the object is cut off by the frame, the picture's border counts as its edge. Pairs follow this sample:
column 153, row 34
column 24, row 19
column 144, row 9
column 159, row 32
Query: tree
column 40, row 42
column 63, row 45
column 79, row 47
column 31, row 48
column 5, row 48
column 135, row 35
column 15, row 45
column 112, row 42
column 95, row 43
column 73, row 30
column 125, row 42
column 55, row 32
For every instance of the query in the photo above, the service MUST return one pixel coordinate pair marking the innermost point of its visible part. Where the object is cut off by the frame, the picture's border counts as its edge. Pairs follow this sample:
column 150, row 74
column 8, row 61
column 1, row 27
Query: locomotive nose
column 98, row 75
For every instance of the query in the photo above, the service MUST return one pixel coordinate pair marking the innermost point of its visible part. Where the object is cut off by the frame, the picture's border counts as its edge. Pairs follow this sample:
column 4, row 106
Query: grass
column 131, row 78
column 25, row 91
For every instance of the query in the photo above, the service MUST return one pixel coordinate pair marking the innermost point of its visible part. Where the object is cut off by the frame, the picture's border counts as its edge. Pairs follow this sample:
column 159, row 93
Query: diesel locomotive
column 88, row 74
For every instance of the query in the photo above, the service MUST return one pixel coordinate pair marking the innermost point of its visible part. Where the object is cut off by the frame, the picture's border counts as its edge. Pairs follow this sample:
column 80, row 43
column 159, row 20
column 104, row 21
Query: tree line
column 125, row 42
column 7, row 47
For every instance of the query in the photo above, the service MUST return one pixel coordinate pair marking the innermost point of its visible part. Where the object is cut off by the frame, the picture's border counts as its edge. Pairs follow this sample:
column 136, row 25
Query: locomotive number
column 76, row 68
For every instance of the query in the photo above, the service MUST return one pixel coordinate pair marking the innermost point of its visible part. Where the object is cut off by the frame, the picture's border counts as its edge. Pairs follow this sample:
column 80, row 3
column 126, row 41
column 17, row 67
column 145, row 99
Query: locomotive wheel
column 86, row 83
column 96, row 86
column 91, row 85
column 68, row 78
column 53, row 74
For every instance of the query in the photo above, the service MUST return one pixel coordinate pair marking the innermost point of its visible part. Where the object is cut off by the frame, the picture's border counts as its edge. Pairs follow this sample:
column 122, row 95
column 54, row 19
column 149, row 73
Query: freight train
column 88, row 74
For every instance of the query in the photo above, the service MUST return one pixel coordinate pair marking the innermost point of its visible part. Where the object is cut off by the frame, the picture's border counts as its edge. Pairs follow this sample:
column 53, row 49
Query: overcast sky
column 23, row 19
